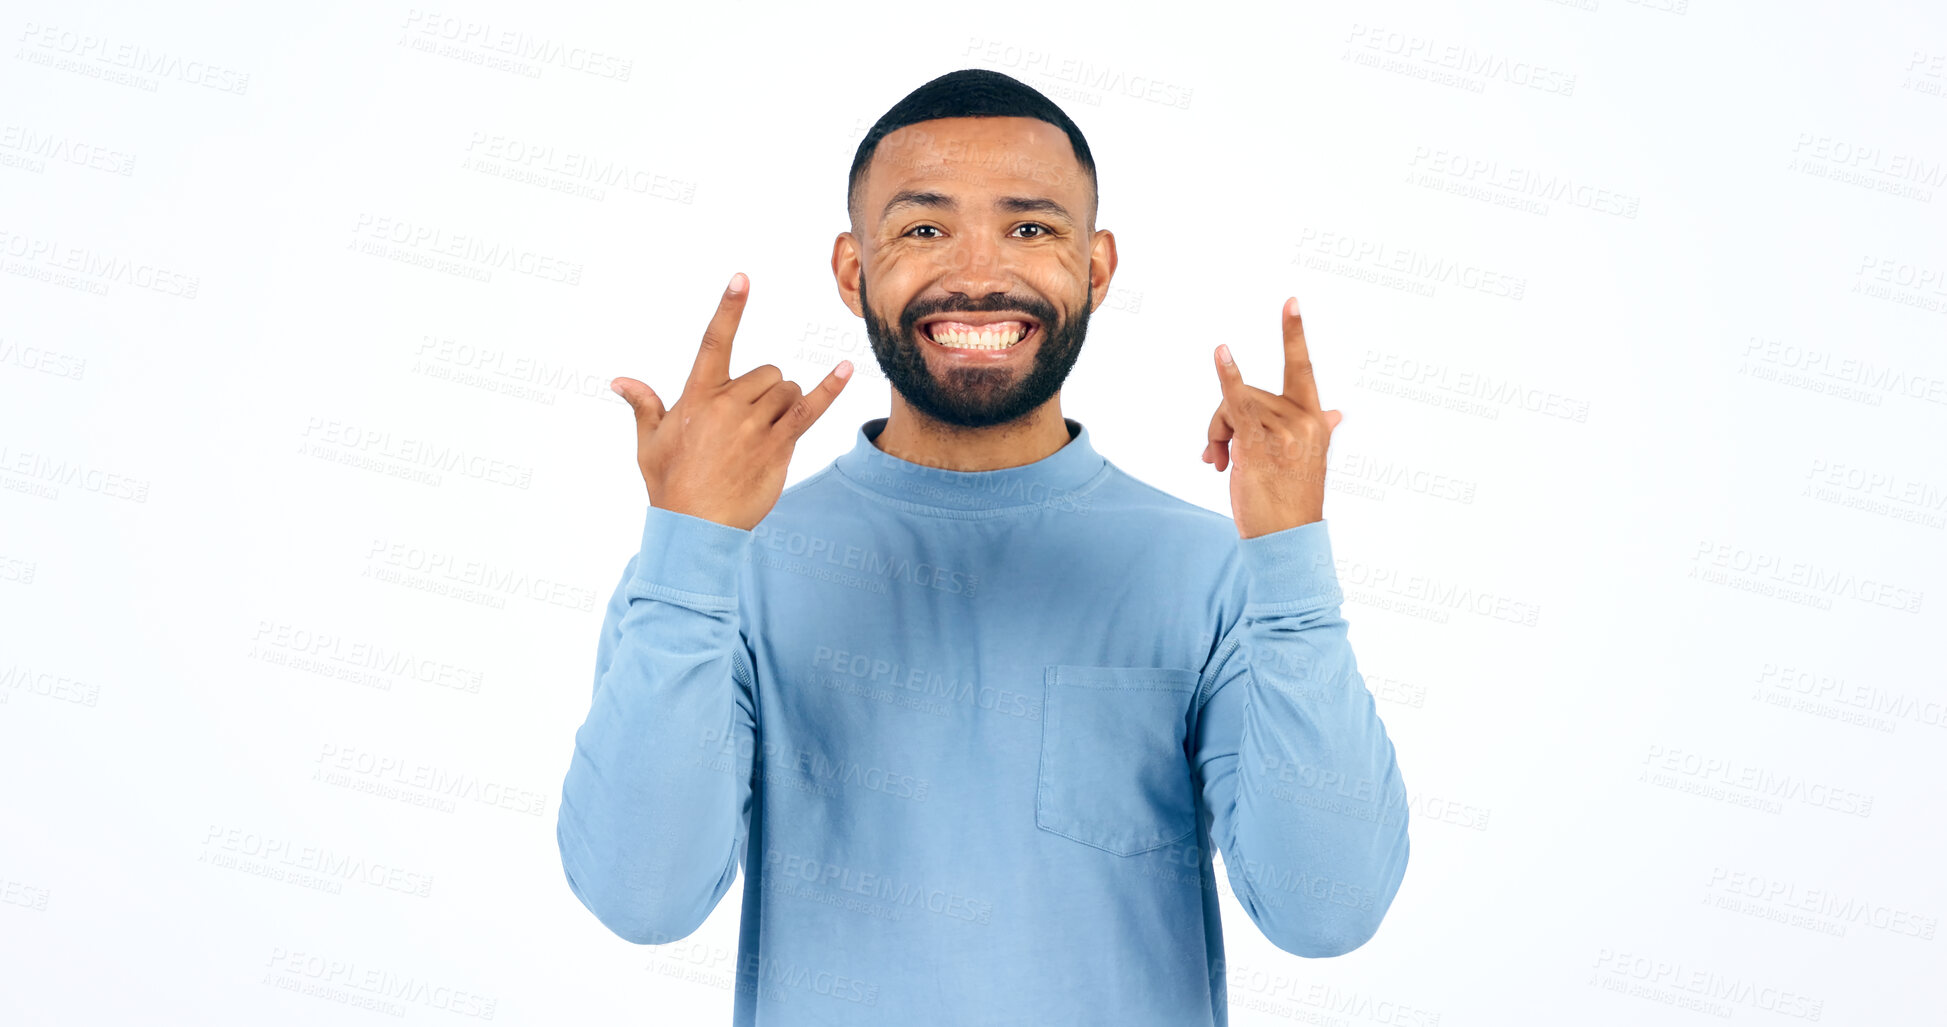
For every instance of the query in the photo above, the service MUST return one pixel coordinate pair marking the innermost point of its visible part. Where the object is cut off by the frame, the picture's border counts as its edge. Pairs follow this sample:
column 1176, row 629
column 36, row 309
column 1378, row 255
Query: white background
column 1637, row 313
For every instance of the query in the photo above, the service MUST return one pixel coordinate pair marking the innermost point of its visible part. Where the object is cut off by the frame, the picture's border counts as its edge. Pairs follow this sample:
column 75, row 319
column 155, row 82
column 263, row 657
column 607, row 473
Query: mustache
column 1040, row 310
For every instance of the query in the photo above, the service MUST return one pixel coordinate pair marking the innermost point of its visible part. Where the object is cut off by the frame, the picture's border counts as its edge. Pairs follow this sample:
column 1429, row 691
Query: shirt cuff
column 690, row 558
column 1290, row 571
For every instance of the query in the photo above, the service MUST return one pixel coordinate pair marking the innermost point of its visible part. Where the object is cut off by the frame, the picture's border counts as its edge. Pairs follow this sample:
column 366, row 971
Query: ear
column 1101, row 266
column 845, row 270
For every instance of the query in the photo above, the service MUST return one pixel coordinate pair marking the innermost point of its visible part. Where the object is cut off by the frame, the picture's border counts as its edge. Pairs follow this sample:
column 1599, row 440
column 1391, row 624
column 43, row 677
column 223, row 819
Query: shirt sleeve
column 655, row 810
column 1298, row 778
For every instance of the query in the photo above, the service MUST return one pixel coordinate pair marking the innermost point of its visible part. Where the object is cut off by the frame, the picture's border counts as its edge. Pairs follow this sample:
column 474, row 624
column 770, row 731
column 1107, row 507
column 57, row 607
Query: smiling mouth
column 996, row 335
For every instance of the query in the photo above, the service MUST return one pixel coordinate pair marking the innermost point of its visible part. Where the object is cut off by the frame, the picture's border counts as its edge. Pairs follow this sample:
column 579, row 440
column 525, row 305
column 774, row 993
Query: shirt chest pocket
column 1114, row 771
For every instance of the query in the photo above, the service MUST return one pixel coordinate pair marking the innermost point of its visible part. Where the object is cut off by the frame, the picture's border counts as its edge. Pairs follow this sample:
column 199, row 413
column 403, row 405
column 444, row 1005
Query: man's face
column 977, row 268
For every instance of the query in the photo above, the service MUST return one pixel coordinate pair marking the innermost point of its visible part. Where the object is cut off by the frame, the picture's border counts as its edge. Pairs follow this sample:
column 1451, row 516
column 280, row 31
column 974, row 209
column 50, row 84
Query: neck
column 917, row 438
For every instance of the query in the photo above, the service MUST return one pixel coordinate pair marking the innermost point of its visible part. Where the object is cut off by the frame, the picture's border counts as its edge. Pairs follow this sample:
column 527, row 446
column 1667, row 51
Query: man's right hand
column 722, row 451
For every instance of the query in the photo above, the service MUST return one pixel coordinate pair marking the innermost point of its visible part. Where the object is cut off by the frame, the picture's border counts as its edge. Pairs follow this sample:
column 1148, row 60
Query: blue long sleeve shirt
column 972, row 739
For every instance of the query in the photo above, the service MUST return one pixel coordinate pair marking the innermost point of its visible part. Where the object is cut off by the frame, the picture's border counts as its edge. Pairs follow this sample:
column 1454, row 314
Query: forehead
column 975, row 154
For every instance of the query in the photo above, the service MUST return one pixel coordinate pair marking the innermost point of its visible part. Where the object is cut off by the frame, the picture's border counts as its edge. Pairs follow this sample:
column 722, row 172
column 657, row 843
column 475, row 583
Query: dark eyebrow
column 912, row 198
column 1010, row 204
column 1033, row 205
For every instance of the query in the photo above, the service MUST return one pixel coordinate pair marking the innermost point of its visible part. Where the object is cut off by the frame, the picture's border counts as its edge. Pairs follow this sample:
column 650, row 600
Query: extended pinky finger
column 806, row 412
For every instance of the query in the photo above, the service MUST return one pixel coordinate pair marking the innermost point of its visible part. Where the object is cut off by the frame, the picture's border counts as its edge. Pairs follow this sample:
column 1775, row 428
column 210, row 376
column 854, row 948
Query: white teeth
column 991, row 339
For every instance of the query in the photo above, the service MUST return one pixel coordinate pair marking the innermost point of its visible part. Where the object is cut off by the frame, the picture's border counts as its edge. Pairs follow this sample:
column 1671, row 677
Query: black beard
column 976, row 397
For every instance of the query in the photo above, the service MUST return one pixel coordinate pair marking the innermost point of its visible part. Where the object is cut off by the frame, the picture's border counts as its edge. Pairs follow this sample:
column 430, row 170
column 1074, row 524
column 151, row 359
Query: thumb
column 642, row 399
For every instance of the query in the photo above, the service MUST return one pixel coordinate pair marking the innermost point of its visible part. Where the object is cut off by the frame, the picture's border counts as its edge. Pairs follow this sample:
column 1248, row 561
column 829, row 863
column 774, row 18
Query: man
column 972, row 708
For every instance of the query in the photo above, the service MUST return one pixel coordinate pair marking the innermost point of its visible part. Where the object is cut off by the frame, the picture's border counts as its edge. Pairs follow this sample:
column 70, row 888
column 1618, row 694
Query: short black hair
column 969, row 93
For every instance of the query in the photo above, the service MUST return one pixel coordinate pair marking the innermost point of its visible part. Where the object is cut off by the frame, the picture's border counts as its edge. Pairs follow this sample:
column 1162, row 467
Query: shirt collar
column 1060, row 480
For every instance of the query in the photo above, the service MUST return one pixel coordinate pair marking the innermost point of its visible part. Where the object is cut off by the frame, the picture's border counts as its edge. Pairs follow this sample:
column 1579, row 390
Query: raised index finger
column 712, row 365
column 1299, row 385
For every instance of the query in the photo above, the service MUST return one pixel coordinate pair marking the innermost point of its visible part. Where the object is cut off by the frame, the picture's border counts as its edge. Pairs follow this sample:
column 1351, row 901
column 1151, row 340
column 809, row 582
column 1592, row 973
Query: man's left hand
column 1277, row 441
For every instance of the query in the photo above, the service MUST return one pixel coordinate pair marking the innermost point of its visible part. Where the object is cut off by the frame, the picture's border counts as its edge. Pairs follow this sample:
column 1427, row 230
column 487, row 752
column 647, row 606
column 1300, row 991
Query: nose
column 976, row 265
